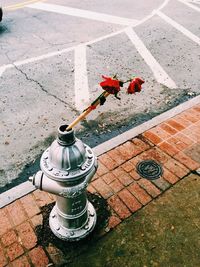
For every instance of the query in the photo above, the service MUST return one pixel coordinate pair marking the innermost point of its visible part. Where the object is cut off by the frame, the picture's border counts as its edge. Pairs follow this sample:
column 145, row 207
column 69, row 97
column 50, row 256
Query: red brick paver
column 175, row 124
column 30, row 205
column 16, row 212
column 169, row 176
column 168, row 148
column 129, row 150
column 168, row 129
column 139, row 193
column 42, row 198
column 5, row 224
column 115, row 154
column 102, row 188
column 177, row 168
column 15, row 250
column 109, row 177
column 141, row 145
column 154, row 138
column 187, row 161
column 123, row 176
column 129, row 200
column 113, row 221
column 128, row 166
column 101, row 169
column 21, row 262
column 149, row 187
column 37, row 220
column 27, row 235
column 9, row 238
column 155, row 154
column 38, row 257
column 108, row 161
column 116, row 186
column 119, row 207
column 3, row 259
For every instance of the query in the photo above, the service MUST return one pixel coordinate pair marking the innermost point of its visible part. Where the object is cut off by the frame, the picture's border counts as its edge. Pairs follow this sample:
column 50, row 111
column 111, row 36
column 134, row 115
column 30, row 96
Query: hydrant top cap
column 65, row 138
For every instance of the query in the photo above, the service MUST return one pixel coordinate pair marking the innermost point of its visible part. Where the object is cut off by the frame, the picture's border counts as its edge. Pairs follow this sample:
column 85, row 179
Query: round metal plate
column 149, row 169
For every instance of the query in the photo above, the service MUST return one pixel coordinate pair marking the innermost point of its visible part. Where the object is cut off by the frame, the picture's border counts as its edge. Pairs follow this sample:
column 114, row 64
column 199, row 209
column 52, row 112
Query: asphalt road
column 52, row 56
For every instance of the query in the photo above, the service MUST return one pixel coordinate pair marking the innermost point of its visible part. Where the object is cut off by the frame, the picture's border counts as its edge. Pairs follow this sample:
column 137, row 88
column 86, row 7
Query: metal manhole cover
column 149, row 169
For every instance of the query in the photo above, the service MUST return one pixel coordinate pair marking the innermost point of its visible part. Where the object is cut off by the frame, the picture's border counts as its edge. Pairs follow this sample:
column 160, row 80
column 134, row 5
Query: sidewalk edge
column 26, row 187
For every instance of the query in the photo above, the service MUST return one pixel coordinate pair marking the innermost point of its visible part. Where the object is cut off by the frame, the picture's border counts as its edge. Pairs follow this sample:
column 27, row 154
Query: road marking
column 56, row 53
column 20, row 5
column 81, row 13
column 179, row 27
column 65, row 50
column 190, row 5
column 4, row 68
column 159, row 73
column 164, row 4
column 34, row 59
column 81, row 79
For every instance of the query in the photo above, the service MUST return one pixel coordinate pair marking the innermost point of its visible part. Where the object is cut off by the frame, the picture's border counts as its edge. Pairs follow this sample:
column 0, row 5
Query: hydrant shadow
column 70, row 250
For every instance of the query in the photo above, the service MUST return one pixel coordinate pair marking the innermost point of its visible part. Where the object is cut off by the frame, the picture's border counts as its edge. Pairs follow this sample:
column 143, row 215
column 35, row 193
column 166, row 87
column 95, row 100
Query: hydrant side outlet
column 67, row 167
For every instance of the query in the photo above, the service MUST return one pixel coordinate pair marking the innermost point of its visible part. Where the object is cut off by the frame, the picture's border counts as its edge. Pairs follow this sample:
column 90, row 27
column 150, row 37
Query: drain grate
column 149, row 169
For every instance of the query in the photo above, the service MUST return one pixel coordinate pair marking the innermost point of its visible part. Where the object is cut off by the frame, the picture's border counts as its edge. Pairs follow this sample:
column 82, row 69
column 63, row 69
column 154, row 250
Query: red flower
column 110, row 85
column 135, row 86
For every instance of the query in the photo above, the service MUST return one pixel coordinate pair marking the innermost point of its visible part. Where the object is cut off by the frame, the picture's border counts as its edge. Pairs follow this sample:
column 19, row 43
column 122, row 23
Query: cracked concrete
column 44, row 90
column 33, row 108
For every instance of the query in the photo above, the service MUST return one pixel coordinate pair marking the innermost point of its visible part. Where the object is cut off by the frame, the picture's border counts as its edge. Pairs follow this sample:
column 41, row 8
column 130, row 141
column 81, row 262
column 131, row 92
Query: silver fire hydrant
column 67, row 167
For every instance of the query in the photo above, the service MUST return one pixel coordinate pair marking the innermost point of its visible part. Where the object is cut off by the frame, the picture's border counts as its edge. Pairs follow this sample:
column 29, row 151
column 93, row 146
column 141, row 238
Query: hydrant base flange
column 72, row 234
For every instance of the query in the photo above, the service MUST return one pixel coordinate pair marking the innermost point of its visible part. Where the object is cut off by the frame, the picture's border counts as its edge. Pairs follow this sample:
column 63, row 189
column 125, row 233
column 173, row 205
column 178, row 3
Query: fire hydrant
column 67, row 167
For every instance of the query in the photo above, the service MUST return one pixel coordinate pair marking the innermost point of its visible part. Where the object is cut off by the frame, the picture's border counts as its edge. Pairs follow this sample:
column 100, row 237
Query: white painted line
column 81, row 79
column 81, row 13
column 159, row 73
column 179, row 27
column 26, row 187
column 3, row 68
column 190, row 5
column 164, row 4
column 56, row 53
column 60, row 52
column 15, row 193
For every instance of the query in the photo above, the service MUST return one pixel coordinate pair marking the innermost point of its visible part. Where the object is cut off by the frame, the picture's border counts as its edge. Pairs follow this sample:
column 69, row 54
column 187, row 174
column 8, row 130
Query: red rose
column 110, row 85
column 135, row 86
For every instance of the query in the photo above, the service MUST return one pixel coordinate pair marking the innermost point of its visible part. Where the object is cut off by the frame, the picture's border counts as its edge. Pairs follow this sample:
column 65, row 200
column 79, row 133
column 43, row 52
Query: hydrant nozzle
column 67, row 167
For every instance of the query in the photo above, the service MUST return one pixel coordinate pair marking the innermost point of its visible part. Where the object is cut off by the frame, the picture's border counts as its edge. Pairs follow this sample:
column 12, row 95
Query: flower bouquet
column 111, row 86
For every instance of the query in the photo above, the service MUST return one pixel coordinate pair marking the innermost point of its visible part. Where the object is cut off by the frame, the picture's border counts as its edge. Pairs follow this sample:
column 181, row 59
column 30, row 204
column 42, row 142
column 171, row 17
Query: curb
column 26, row 187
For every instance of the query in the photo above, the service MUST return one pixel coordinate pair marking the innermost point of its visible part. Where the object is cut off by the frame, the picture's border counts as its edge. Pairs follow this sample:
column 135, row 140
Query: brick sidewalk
column 175, row 144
